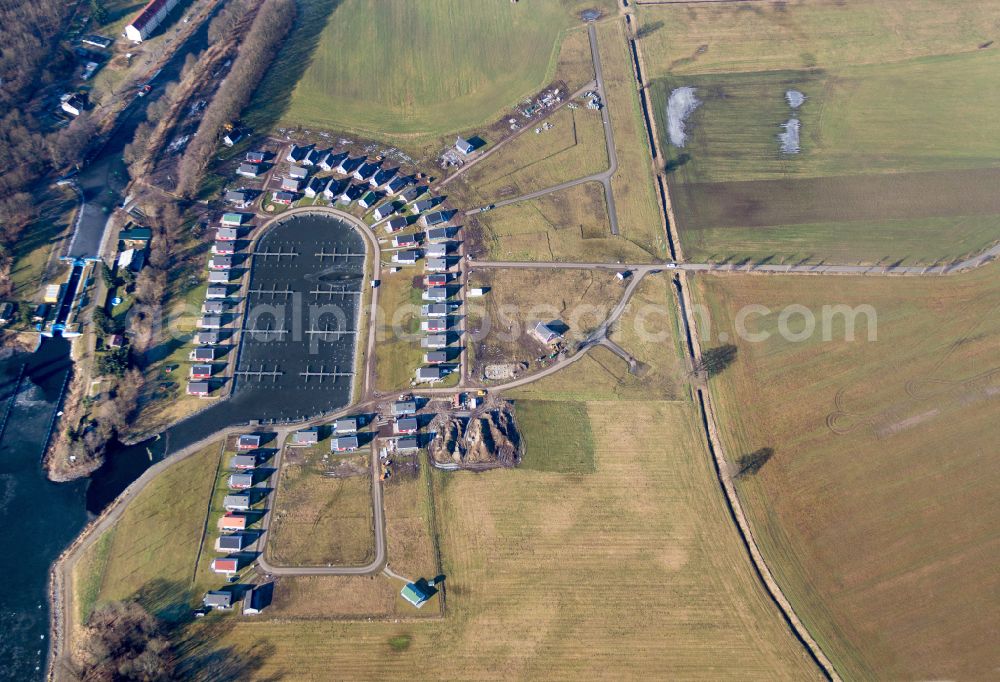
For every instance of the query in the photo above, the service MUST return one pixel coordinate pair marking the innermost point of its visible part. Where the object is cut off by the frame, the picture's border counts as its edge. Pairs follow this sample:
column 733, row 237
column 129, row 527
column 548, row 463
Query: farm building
column 296, row 153
column 434, row 310
column 396, row 224
column 198, row 388
column 406, row 425
column 231, row 543
column 345, row 425
column 232, row 219
column 202, row 355
column 240, row 481
column 239, row 502
column 201, row 371
column 243, row 462
column 219, row 277
column 404, row 407
column 248, row 170
column 436, row 294
column 369, row 199
column 227, row 566
column 218, row 600
column 305, row 437
column 435, row 265
column 408, row 444
column 367, row 170
column 227, row 234
column 151, row 16
column 384, row 211
column 435, row 357
column 406, row 257
column 417, row 593
column 438, row 234
column 464, row 146
column 545, row 333
column 404, row 240
column 283, row 198
column 291, row 184
column 432, row 219
column 255, row 157
column 434, row 341
column 233, row 522
column 344, row 444
column 249, row 441
column 210, row 322
column 238, row 198
column 207, row 338
column 298, row 173
column 429, row 374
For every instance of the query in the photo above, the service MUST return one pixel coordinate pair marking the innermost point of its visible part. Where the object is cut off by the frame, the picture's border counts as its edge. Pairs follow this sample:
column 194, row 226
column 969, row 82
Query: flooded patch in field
column 794, row 98
column 789, row 137
column 680, row 105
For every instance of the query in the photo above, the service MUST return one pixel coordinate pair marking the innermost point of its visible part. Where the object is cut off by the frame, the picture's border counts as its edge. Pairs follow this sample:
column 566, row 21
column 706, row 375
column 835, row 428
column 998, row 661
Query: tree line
column 273, row 21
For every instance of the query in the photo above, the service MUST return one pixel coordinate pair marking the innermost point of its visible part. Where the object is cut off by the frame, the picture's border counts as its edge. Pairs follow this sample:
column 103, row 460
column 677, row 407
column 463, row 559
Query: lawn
column 323, row 509
column 633, row 185
column 151, row 552
column 897, row 132
column 518, row 299
column 631, row 568
column 648, row 330
column 403, row 69
column 877, row 511
column 570, row 225
column 397, row 351
column 573, row 148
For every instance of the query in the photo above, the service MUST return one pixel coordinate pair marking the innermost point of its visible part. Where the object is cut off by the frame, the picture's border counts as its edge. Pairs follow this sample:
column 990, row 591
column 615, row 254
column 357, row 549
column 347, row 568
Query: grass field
column 876, row 510
column 323, row 509
column 633, row 184
column 519, row 299
column 898, row 142
column 634, row 567
column 151, row 551
column 411, row 70
column 570, row 225
column 648, row 330
column 397, row 350
column 573, row 148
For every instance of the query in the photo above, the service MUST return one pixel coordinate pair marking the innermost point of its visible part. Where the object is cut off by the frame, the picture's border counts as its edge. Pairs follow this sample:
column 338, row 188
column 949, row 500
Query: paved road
column 604, row 177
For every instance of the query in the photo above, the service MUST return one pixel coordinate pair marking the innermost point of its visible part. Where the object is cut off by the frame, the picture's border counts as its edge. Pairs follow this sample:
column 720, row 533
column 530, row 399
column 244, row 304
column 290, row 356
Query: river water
column 39, row 518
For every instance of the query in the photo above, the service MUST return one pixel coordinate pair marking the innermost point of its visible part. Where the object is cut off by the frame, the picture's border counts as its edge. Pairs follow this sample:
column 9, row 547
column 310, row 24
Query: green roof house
column 417, row 593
